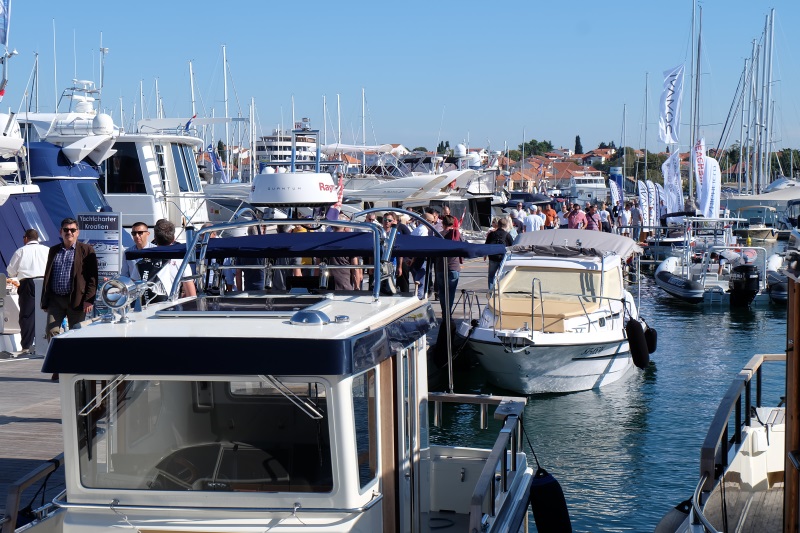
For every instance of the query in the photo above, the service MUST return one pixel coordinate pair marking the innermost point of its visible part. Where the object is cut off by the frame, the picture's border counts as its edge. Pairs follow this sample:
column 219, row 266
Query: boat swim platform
column 30, row 426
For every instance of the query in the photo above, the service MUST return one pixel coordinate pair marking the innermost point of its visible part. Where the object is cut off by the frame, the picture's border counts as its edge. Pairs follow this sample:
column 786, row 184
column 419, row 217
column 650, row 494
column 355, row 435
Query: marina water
column 629, row 452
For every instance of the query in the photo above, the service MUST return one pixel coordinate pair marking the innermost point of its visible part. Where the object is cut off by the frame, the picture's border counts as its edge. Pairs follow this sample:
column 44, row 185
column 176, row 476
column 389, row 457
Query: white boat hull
column 575, row 362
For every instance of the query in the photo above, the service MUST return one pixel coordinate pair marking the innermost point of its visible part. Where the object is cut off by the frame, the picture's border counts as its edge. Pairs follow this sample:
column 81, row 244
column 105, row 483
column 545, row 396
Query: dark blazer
column 84, row 275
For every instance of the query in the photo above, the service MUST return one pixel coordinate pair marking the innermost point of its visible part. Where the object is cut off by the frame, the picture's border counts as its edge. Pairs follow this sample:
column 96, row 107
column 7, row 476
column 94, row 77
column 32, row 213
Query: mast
column 103, row 52
column 55, row 66
column 768, row 101
column 338, row 119
column 692, row 105
column 324, row 119
column 191, row 87
column 624, row 149
column 363, row 129
column 646, row 96
column 225, row 89
column 742, row 126
column 252, row 137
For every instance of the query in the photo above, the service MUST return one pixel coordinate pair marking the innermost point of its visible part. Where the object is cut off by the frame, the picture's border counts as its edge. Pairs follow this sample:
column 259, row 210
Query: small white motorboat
column 559, row 318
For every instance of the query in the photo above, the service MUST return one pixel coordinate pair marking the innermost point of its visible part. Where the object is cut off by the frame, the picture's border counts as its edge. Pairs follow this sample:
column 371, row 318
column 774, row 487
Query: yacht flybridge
column 279, row 410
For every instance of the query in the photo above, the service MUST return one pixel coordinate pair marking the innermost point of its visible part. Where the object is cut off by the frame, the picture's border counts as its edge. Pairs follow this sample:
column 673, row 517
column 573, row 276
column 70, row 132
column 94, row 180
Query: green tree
column 222, row 151
column 535, row 147
column 785, row 162
column 602, row 146
column 578, row 145
column 514, row 155
column 420, row 149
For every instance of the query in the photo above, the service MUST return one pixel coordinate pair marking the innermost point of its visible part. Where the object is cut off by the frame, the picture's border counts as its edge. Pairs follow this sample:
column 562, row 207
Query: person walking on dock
column 27, row 264
column 70, row 280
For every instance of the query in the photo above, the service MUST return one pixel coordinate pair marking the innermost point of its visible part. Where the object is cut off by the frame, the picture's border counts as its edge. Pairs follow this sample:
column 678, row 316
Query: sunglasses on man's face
column 135, row 233
column 69, row 230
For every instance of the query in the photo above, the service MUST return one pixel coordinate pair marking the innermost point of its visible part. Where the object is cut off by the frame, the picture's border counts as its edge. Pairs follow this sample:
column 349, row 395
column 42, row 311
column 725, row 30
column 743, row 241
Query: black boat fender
column 675, row 518
column 651, row 337
column 637, row 343
column 548, row 504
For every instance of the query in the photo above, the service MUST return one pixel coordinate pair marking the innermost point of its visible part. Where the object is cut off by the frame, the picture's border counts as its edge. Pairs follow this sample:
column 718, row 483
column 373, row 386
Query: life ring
column 637, row 344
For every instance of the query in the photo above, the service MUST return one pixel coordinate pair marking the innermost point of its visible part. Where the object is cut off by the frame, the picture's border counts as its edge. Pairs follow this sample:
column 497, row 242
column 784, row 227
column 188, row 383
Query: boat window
column 123, row 172
column 560, row 284
column 92, row 196
column 180, row 168
column 33, row 220
column 365, row 410
column 191, row 167
column 172, row 435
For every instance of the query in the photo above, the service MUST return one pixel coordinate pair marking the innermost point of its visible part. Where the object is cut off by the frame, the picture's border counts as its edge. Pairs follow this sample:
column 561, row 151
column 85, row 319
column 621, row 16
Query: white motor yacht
column 559, row 318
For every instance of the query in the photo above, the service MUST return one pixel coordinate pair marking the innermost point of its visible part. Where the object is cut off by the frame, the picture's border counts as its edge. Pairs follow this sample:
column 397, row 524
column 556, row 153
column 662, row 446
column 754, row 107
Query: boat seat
column 514, row 312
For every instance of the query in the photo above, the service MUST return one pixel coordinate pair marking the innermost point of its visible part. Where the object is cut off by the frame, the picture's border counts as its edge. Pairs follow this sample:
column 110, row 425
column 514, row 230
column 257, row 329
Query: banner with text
column 673, row 186
column 669, row 109
column 104, row 232
column 712, row 183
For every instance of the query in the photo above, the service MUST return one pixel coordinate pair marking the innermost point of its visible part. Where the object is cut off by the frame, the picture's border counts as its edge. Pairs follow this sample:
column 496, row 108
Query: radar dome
column 290, row 189
column 460, row 151
column 103, row 124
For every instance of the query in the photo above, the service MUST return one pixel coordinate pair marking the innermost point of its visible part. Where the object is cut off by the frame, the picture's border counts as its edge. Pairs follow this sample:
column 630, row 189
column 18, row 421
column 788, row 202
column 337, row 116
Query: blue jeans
column 494, row 266
column 452, row 285
column 419, row 276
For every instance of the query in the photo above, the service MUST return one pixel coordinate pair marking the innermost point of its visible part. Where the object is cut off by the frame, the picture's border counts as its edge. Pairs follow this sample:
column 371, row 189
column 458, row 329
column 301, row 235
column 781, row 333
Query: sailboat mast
column 191, row 87
column 692, row 105
column 767, row 103
column 363, row 129
column 624, row 148
column 225, row 89
column 646, row 96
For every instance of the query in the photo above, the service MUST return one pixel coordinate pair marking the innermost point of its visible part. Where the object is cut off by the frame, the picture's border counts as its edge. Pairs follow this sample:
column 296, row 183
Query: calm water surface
column 627, row 453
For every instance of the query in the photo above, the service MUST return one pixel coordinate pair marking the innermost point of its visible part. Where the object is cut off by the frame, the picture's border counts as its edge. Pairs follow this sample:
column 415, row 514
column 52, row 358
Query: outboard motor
column 744, row 284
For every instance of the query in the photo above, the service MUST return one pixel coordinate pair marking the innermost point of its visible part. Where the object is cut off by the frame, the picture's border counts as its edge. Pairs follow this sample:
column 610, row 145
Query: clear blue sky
column 436, row 70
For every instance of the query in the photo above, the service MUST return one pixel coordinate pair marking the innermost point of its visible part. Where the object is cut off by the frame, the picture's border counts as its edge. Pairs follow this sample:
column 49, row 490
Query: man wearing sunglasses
column 70, row 280
column 141, row 239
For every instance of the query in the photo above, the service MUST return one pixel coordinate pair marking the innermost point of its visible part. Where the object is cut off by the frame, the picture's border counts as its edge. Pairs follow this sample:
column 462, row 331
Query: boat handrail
column 509, row 409
column 15, row 490
column 200, row 242
column 541, row 299
column 296, row 509
column 717, row 435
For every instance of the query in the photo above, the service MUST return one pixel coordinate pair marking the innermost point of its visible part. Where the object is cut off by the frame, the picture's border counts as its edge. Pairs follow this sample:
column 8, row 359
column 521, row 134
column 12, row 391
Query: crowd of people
column 69, row 269
column 626, row 219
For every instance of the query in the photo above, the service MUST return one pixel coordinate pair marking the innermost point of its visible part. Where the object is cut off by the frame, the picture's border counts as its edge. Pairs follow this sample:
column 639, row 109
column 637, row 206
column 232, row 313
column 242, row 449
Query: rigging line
column 732, row 112
column 235, row 93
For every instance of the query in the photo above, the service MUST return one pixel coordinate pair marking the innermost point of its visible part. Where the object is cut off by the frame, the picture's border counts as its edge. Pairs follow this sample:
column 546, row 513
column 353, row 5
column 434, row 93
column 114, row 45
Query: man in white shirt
column 27, row 264
column 534, row 222
column 141, row 239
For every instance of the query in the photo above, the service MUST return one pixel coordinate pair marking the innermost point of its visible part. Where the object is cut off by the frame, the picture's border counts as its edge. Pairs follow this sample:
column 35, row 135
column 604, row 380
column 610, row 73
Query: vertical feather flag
column 669, row 109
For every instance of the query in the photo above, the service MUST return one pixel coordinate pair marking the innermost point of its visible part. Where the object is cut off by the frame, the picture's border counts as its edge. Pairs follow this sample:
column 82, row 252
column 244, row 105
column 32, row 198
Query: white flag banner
column 699, row 162
column 673, row 186
column 712, row 184
column 652, row 202
column 643, row 201
column 669, row 116
column 615, row 194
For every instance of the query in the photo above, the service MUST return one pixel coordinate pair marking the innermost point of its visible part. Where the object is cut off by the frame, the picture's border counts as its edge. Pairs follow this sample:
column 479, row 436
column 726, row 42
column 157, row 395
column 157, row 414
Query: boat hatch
column 267, row 306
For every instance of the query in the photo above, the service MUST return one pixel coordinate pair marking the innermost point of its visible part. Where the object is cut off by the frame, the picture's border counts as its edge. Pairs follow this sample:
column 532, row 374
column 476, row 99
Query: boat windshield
column 561, row 284
column 203, row 436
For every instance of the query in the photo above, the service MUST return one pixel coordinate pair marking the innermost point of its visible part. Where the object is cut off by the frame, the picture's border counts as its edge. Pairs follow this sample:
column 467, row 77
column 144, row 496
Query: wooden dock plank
column 30, row 426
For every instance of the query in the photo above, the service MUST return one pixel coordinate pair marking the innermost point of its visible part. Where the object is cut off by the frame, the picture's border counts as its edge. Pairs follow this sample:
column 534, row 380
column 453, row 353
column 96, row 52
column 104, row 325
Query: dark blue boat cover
column 47, row 161
column 323, row 244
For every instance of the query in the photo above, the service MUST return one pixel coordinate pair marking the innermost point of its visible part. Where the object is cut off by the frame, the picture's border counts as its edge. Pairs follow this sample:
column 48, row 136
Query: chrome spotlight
column 117, row 294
